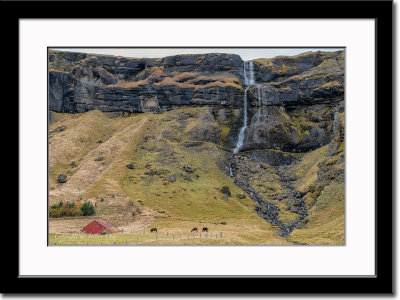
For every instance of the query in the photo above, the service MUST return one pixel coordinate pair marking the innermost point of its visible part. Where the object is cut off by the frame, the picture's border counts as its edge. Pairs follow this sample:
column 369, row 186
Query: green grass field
column 145, row 196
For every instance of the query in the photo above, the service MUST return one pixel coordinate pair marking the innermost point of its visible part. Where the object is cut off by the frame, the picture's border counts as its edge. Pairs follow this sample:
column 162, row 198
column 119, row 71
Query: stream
column 270, row 212
column 265, row 209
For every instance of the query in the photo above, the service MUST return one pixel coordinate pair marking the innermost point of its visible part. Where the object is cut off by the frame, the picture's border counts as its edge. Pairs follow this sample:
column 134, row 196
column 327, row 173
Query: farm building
column 98, row 227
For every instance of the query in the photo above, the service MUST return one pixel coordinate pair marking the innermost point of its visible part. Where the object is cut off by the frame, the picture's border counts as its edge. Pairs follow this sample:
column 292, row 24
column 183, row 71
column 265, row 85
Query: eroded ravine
column 265, row 209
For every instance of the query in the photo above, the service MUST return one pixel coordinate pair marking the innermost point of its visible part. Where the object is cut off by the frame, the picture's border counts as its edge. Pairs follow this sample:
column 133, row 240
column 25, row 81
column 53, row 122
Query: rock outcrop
column 292, row 106
column 81, row 82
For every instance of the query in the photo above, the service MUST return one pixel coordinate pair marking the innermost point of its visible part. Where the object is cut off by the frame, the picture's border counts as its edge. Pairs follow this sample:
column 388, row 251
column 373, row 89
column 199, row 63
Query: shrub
column 87, row 209
column 225, row 190
column 55, row 212
column 58, row 205
column 65, row 210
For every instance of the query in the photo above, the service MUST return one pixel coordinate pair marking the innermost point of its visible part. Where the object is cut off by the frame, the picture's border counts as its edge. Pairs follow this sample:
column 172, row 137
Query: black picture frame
column 381, row 11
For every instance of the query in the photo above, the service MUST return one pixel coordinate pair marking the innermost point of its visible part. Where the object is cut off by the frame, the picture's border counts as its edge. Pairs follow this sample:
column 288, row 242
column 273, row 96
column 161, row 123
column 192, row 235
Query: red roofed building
column 97, row 227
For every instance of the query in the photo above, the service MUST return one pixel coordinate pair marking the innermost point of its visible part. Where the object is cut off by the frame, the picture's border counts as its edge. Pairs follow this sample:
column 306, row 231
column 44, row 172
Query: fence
column 149, row 238
column 178, row 237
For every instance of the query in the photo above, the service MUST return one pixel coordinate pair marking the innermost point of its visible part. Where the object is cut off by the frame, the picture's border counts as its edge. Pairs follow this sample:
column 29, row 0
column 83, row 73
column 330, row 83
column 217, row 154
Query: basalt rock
column 292, row 107
column 172, row 178
column 62, row 178
column 130, row 166
column 225, row 190
column 297, row 130
column 188, row 169
column 80, row 82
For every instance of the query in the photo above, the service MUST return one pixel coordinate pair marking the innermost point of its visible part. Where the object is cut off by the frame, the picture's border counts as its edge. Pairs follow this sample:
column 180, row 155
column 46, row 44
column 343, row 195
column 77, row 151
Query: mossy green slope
column 158, row 150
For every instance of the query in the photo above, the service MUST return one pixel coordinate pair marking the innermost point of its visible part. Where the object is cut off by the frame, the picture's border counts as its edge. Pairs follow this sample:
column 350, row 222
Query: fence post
column 114, row 243
column 137, row 241
column 156, row 237
column 188, row 235
column 173, row 237
column 221, row 234
column 180, row 235
column 207, row 235
column 122, row 229
column 200, row 235
column 126, row 242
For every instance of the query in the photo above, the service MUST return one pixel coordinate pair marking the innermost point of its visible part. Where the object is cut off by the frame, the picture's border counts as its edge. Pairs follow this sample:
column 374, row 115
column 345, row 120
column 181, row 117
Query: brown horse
column 153, row 230
column 194, row 229
column 205, row 229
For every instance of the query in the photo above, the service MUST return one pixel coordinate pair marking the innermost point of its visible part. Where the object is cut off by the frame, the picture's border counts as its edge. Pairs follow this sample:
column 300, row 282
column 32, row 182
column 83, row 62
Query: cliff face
column 80, row 82
column 292, row 106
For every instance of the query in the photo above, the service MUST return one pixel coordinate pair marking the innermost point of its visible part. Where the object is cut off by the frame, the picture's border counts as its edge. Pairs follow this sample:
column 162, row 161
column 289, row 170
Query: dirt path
column 91, row 170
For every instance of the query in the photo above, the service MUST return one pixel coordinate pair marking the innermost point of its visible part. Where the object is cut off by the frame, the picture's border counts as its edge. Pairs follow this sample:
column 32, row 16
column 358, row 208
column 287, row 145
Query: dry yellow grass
column 306, row 170
column 143, row 197
column 324, row 227
column 187, row 80
column 88, row 169
column 117, row 191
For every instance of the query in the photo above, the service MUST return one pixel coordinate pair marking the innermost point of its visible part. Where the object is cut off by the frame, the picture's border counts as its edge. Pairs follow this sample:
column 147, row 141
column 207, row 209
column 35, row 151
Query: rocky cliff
column 287, row 103
column 81, row 82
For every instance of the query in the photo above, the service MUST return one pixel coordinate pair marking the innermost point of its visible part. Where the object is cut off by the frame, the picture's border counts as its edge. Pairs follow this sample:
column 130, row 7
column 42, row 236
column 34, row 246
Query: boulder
column 62, row 178
column 172, row 178
column 226, row 190
column 130, row 166
column 187, row 169
column 187, row 178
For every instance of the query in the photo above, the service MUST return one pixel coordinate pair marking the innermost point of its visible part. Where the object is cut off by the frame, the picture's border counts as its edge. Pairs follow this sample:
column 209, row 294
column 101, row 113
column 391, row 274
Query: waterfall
column 251, row 73
column 247, row 81
column 259, row 103
column 244, row 127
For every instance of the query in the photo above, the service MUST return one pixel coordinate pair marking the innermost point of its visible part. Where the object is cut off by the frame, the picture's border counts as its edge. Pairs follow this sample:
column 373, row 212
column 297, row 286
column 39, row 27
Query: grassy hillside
column 174, row 185
column 164, row 171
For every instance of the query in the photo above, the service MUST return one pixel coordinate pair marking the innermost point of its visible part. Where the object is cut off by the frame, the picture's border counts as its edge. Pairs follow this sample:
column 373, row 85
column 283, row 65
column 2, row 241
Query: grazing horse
column 153, row 230
column 194, row 229
column 205, row 229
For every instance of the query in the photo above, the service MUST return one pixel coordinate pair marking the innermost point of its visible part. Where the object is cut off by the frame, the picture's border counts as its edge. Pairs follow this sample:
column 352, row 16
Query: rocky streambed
column 244, row 167
column 270, row 213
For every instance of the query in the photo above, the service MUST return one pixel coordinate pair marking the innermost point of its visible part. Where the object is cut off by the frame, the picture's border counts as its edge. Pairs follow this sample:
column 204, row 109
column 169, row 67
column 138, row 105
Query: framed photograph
column 168, row 148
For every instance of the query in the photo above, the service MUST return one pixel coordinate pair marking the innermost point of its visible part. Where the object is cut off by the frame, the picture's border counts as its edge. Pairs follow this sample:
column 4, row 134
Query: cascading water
column 243, row 129
column 251, row 73
column 266, row 210
column 259, row 103
column 247, row 81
